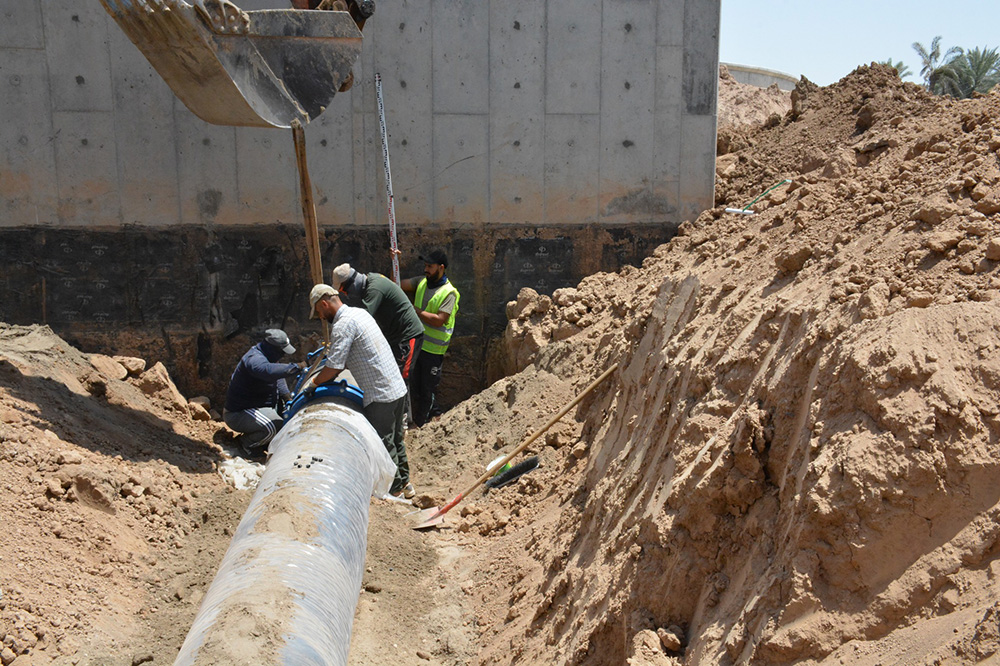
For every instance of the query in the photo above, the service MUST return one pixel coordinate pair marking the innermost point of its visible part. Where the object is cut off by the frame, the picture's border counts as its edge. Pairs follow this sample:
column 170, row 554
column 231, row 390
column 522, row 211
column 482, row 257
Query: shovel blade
column 426, row 518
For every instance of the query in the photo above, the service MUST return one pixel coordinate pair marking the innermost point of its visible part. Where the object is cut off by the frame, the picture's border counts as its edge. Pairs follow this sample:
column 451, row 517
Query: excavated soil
column 749, row 106
column 795, row 460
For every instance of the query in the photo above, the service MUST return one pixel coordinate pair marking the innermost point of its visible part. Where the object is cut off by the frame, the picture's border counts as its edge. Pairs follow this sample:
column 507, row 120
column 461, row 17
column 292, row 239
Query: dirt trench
column 794, row 463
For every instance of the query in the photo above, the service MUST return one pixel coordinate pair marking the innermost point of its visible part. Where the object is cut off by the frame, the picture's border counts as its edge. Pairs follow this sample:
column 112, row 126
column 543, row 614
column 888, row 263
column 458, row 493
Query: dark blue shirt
column 257, row 379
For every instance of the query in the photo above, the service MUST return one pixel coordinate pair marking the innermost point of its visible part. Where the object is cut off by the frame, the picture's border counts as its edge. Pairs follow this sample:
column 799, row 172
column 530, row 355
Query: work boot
column 252, row 451
column 409, row 492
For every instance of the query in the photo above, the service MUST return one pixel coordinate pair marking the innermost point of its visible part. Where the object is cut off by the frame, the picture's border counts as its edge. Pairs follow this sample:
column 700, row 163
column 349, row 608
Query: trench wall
column 539, row 141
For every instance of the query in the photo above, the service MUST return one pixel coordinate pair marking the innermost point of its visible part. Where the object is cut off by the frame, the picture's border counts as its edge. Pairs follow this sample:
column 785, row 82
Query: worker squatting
column 394, row 349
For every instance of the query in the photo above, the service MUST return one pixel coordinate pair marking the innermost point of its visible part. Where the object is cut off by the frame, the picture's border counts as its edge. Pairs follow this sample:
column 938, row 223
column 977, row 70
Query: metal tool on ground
column 261, row 68
column 511, row 474
column 746, row 209
column 388, row 179
column 435, row 515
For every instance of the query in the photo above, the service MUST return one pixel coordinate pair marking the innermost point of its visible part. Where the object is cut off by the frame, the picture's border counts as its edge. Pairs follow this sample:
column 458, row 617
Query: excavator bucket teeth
column 266, row 69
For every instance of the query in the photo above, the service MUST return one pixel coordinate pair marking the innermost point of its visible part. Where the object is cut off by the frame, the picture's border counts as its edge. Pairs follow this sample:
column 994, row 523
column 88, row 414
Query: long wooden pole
column 308, row 206
column 308, row 212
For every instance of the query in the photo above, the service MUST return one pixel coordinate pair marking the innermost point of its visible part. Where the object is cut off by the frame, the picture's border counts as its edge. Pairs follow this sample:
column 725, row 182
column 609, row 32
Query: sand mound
column 746, row 105
column 110, row 504
column 798, row 457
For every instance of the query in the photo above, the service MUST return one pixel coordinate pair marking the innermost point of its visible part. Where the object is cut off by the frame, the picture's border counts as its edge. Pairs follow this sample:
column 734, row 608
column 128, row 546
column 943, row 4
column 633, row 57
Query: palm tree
column 938, row 78
column 947, row 79
column 902, row 69
column 978, row 71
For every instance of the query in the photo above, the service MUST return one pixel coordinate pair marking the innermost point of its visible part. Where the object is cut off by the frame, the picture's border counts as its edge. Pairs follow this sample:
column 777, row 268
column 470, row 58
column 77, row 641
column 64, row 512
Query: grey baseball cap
column 278, row 338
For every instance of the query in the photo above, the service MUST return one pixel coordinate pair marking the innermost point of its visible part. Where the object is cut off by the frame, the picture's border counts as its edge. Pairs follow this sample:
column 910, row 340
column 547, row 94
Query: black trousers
column 407, row 352
column 424, row 385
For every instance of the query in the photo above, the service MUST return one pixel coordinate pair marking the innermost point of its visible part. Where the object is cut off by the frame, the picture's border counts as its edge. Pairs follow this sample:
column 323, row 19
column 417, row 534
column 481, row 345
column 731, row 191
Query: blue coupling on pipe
column 338, row 389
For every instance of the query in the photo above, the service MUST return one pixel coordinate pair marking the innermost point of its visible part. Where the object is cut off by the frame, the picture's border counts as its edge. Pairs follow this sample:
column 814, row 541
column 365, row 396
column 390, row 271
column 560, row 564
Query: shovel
column 435, row 515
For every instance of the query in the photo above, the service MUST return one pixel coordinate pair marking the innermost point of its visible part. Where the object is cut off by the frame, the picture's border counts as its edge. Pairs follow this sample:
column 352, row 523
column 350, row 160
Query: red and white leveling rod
column 388, row 179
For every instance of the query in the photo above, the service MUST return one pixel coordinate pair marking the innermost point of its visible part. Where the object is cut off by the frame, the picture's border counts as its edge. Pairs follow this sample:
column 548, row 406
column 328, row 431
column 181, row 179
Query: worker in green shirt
column 435, row 300
column 391, row 309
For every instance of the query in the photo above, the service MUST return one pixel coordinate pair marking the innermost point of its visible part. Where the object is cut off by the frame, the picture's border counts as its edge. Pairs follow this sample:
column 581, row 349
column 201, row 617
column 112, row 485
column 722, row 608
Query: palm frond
column 902, row 69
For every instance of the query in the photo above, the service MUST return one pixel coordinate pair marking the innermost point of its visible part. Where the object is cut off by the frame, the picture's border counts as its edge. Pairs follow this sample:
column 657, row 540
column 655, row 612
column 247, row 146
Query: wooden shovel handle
column 535, row 435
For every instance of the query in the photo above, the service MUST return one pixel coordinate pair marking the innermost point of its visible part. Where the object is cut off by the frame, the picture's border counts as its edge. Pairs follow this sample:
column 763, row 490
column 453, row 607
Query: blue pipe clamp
column 338, row 389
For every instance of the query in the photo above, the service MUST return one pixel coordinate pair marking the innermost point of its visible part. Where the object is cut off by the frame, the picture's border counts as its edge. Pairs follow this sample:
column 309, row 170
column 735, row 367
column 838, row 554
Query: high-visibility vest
column 436, row 338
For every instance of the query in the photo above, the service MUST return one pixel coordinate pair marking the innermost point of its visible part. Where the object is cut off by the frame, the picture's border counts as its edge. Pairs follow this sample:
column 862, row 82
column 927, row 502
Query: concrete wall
column 760, row 77
column 503, row 112
column 583, row 130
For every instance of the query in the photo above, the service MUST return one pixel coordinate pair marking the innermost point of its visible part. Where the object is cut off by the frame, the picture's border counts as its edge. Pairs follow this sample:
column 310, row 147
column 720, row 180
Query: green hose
column 765, row 192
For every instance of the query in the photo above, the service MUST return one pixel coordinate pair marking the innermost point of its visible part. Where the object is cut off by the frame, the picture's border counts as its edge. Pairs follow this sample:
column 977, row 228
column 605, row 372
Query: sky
column 825, row 40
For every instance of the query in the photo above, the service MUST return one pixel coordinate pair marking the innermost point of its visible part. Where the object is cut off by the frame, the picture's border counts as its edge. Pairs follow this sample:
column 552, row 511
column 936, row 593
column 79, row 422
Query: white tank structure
column 288, row 586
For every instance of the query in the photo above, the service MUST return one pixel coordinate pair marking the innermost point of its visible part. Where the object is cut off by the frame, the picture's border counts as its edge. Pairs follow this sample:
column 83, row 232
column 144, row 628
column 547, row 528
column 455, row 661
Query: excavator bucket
column 262, row 68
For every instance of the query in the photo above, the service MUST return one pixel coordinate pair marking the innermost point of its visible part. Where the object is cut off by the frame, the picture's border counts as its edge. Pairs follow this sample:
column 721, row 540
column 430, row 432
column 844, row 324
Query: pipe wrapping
column 287, row 587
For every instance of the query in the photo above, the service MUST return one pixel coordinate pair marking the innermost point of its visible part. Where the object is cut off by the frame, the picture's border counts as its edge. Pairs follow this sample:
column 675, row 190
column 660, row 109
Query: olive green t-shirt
column 392, row 310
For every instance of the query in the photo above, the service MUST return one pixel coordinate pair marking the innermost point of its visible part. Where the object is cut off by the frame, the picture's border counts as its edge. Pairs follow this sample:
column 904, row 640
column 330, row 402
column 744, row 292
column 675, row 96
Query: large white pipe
column 287, row 588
